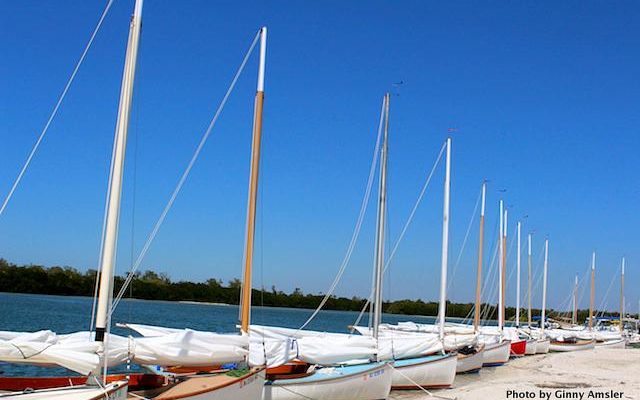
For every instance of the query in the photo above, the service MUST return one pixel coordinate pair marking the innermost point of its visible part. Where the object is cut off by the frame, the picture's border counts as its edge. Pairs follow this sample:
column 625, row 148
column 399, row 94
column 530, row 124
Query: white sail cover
column 77, row 352
column 397, row 345
column 163, row 346
column 322, row 348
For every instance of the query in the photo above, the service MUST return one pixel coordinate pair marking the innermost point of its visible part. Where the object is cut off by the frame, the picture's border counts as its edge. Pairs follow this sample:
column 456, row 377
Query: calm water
column 65, row 314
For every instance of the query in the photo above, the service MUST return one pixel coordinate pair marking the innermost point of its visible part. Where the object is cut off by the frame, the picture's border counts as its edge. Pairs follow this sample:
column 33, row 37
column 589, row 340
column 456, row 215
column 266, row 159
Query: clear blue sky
column 544, row 96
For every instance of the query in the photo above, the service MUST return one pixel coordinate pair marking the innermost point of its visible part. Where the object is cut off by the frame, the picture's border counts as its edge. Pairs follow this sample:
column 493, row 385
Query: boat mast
column 442, row 309
column 500, row 264
column 518, row 279
column 382, row 211
column 504, row 267
column 592, row 296
column 622, row 296
column 529, row 280
column 544, row 285
column 476, row 319
column 109, row 244
column 245, row 311
column 574, row 317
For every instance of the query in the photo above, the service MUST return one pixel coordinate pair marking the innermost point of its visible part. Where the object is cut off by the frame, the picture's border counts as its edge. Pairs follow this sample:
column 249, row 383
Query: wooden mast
column 476, row 318
column 592, row 295
column 529, row 280
column 382, row 212
column 622, row 296
column 442, row 309
column 500, row 266
column 245, row 311
column 109, row 244
column 544, row 285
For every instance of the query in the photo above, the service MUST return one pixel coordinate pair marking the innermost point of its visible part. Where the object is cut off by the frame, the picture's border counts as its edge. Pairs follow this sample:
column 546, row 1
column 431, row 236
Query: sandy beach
column 597, row 374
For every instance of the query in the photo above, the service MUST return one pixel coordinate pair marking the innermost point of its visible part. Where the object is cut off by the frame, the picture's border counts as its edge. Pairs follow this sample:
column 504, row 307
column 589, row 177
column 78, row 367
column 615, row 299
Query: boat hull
column 218, row 387
column 114, row 391
column 518, row 348
column 542, row 346
column 577, row 346
column 496, row 354
column 438, row 371
column 356, row 382
column 611, row 344
column 469, row 363
column 531, row 349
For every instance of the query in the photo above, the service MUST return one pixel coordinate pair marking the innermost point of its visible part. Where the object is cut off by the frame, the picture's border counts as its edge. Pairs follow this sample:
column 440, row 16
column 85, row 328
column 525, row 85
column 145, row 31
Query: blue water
column 66, row 314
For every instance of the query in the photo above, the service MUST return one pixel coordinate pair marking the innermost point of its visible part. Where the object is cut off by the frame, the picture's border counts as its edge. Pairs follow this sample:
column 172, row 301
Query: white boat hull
column 113, row 391
column 611, row 344
column 580, row 345
column 368, row 384
column 531, row 348
column 496, row 354
column 428, row 372
column 468, row 363
column 542, row 346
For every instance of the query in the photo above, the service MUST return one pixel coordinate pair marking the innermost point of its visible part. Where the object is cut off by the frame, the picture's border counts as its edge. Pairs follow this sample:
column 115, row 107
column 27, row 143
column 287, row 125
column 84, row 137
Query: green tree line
column 149, row 285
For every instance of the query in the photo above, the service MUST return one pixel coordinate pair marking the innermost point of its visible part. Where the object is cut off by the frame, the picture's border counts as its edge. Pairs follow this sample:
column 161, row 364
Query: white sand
column 559, row 375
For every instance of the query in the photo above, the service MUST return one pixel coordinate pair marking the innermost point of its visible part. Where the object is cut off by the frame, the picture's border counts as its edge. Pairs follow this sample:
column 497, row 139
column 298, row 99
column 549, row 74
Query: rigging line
column 184, row 176
column 464, row 242
column 406, row 225
column 601, row 307
column 54, row 112
column 358, row 226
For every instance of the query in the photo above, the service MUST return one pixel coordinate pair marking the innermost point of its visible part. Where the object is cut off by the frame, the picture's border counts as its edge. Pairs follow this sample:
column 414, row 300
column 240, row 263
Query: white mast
column 500, row 298
column 592, row 296
column 574, row 317
column 544, row 285
column 382, row 208
column 529, row 280
column 109, row 245
column 442, row 309
column 518, row 280
column 245, row 298
column 476, row 320
column 622, row 296
column 504, row 268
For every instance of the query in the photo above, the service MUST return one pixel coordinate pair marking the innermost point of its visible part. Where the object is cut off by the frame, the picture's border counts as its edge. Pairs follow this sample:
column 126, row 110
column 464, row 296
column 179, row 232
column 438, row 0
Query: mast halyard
column 592, row 295
column 382, row 211
column 500, row 266
column 245, row 299
column 109, row 244
column 544, row 285
column 442, row 309
column 529, row 278
column 518, row 280
column 476, row 318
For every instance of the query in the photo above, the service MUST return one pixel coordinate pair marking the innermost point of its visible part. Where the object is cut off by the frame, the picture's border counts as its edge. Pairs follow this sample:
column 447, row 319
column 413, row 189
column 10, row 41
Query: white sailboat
column 83, row 356
column 565, row 340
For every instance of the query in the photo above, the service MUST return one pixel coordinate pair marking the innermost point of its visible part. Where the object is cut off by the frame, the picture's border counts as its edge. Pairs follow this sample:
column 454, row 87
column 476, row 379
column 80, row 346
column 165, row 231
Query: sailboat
column 565, row 340
column 613, row 339
column 165, row 348
column 426, row 367
column 335, row 366
column 86, row 357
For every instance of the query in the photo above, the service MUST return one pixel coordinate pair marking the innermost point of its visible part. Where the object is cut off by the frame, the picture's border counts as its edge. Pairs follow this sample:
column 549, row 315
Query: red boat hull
column 518, row 348
column 136, row 381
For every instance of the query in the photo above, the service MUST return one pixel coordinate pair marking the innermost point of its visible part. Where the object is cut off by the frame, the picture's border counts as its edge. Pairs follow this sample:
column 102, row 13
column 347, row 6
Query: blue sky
column 543, row 95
